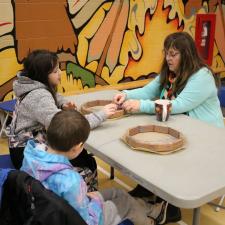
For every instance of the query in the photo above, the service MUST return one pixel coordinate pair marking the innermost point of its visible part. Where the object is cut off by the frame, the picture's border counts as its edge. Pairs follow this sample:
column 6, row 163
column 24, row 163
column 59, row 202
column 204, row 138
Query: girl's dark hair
column 38, row 65
column 189, row 64
column 67, row 129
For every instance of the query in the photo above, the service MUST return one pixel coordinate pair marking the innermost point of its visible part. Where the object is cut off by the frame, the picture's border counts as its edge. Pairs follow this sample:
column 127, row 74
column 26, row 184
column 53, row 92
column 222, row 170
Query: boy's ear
column 81, row 144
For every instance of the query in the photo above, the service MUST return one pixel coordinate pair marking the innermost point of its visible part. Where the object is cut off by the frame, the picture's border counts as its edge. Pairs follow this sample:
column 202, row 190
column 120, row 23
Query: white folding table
column 186, row 179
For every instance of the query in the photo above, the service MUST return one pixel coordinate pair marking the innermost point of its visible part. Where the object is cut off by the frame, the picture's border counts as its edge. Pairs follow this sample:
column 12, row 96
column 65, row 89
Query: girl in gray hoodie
column 37, row 103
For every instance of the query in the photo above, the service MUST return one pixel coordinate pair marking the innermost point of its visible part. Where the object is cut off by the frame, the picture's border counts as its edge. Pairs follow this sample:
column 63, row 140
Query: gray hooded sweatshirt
column 38, row 107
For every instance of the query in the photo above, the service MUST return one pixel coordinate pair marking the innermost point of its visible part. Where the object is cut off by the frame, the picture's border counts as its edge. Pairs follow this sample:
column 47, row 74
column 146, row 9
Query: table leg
column 111, row 173
column 220, row 205
column 196, row 216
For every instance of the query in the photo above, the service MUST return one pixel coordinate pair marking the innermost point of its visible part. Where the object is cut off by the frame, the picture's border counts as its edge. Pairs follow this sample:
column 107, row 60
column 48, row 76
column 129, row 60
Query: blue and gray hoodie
column 57, row 174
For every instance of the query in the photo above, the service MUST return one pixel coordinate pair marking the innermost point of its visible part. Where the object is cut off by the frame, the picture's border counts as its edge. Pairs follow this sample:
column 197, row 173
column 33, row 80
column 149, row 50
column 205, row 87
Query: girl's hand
column 69, row 105
column 131, row 106
column 119, row 98
column 110, row 109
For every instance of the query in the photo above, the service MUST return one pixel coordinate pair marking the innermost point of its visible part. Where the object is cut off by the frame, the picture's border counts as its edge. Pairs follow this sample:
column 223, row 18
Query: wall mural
column 98, row 42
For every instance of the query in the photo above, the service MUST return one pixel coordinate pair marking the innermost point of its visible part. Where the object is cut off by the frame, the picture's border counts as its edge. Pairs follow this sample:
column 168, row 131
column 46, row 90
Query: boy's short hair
column 67, row 129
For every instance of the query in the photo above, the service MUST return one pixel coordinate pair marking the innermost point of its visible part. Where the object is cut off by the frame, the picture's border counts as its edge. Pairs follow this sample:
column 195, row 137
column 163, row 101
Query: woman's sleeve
column 149, row 91
column 199, row 87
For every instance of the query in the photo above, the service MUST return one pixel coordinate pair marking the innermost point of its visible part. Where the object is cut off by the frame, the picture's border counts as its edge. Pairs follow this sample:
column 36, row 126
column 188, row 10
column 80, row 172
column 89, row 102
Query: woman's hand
column 110, row 109
column 69, row 105
column 119, row 98
column 131, row 106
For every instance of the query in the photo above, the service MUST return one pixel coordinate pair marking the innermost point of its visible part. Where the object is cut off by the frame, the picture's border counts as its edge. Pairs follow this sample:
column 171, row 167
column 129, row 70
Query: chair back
column 5, row 162
column 8, row 106
column 26, row 201
column 221, row 95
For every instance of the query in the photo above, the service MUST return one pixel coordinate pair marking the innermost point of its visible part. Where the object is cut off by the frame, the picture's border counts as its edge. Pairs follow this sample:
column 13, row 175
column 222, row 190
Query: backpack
column 25, row 201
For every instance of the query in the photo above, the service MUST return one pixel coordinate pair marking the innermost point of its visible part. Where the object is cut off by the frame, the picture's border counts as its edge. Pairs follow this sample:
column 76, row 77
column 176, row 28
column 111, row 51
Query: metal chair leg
column 3, row 125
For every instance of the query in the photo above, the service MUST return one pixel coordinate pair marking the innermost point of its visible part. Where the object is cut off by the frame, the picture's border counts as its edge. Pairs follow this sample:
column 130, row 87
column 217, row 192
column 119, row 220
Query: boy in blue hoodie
column 50, row 164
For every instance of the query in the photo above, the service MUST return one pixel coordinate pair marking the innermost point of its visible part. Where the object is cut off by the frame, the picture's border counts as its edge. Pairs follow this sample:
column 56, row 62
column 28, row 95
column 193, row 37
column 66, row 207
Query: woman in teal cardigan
column 184, row 79
column 187, row 82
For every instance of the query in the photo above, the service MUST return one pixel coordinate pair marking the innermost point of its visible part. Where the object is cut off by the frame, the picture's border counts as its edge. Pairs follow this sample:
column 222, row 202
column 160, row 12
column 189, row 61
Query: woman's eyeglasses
column 170, row 54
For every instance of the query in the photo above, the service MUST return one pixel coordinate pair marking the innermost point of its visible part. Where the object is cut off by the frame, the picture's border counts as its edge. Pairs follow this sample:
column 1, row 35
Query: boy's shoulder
column 65, row 182
column 67, row 176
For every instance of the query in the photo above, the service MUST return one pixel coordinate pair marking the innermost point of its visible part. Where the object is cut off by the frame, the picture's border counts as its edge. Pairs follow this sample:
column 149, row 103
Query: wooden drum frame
column 86, row 108
column 168, row 145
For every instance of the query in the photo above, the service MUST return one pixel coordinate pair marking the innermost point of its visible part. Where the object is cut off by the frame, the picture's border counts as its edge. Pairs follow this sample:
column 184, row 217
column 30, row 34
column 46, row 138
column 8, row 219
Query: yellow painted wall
column 98, row 42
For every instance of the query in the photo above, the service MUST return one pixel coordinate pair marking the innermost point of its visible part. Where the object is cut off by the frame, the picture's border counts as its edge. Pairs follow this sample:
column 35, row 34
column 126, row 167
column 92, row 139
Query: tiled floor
column 208, row 214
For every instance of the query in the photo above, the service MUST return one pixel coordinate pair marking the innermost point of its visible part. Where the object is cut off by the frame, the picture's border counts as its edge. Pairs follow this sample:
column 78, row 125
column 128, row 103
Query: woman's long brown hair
column 189, row 64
